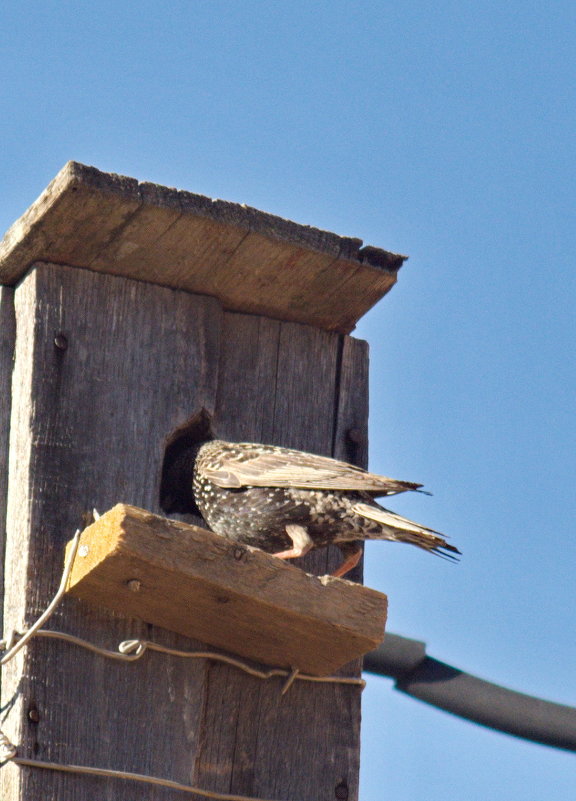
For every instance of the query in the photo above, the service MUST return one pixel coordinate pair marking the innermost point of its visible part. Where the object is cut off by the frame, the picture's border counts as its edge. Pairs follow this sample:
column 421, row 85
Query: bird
column 287, row 502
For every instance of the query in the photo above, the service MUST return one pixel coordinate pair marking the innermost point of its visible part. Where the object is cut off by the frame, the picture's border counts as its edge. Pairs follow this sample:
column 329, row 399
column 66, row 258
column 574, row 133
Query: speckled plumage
column 286, row 501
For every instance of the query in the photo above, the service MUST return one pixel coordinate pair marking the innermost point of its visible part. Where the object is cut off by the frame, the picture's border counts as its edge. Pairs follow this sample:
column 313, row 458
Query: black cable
column 467, row 696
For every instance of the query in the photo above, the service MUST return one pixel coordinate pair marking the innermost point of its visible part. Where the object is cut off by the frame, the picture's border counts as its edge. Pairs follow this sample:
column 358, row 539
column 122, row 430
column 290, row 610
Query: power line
column 467, row 696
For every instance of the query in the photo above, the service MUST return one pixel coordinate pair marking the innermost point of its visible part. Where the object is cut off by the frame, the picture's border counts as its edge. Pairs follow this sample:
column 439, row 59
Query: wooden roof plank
column 250, row 260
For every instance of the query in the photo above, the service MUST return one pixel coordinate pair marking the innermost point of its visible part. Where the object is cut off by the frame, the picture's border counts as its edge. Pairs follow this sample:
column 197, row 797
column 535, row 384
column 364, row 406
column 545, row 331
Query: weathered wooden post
column 127, row 308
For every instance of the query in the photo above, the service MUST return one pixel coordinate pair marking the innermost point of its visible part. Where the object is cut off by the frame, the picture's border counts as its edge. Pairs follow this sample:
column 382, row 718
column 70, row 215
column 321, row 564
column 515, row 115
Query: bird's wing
column 283, row 467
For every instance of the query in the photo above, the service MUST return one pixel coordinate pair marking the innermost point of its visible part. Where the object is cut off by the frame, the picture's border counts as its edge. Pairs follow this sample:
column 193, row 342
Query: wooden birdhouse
column 128, row 312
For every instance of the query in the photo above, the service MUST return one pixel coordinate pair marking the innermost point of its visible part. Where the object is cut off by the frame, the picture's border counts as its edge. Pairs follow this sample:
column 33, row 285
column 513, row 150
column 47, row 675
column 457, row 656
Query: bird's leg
column 301, row 542
column 352, row 554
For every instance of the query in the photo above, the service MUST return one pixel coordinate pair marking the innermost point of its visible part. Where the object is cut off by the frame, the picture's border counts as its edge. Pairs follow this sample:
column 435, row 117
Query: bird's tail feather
column 401, row 529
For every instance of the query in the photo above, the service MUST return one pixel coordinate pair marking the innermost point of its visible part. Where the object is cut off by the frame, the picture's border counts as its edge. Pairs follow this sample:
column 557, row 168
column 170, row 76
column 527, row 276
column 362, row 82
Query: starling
column 287, row 502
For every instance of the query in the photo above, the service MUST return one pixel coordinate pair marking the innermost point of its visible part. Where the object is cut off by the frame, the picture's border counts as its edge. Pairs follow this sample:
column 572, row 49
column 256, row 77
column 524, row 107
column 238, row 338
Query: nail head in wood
column 61, row 341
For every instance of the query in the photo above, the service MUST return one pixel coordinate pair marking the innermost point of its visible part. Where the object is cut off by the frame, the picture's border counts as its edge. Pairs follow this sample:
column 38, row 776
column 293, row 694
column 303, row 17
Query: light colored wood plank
column 89, row 426
column 199, row 584
column 328, row 291
column 78, row 213
column 7, row 340
column 172, row 240
column 251, row 261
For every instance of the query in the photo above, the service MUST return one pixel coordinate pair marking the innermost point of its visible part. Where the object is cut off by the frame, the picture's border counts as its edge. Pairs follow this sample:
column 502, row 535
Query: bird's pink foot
column 301, row 542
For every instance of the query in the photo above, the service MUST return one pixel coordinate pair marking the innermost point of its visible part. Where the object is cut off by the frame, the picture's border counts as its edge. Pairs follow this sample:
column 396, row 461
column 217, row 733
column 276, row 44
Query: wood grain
column 89, row 425
column 351, row 424
column 281, row 383
column 199, row 584
column 7, row 341
column 90, row 422
column 251, row 261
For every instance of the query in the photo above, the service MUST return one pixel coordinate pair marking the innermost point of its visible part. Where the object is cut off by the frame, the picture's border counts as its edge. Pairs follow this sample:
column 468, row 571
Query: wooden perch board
column 251, row 261
column 234, row 597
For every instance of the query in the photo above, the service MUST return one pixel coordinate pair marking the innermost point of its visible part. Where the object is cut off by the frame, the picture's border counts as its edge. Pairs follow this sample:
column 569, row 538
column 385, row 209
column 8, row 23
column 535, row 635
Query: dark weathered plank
column 351, row 431
column 351, row 435
column 247, row 370
column 282, row 386
column 7, row 338
column 251, row 261
column 321, row 404
column 199, row 584
column 278, row 384
column 89, row 424
column 351, row 445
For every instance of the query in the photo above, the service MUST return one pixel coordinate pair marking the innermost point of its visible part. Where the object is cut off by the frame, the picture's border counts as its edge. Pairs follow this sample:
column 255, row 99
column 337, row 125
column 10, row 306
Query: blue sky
column 442, row 130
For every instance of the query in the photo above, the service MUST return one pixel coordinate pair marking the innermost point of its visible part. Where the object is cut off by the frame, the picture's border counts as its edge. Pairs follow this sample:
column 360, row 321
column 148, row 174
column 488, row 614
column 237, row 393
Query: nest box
column 126, row 308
